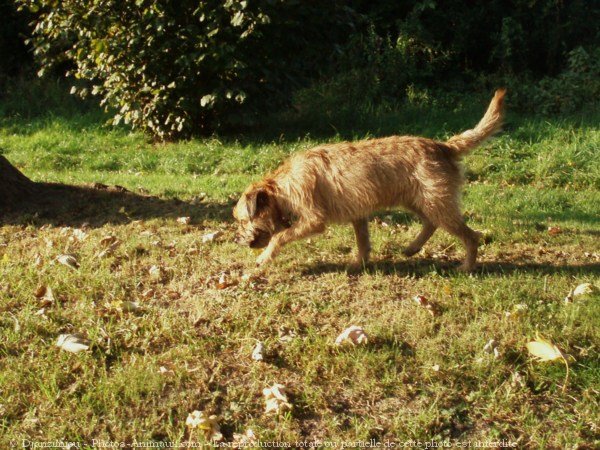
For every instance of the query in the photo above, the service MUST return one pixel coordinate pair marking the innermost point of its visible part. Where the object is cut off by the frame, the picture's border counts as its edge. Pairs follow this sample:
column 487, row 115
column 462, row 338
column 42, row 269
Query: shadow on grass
column 436, row 122
column 97, row 205
column 419, row 268
column 29, row 104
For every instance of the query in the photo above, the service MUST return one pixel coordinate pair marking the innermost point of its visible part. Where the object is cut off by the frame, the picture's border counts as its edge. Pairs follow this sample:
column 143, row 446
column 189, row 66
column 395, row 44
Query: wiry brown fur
column 348, row 181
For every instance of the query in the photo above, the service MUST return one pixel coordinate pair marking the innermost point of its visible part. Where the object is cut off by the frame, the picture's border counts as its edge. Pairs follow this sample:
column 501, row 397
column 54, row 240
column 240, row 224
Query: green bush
column 507, row 36
column 576, row 87
column 178, row 68
column 373, row 71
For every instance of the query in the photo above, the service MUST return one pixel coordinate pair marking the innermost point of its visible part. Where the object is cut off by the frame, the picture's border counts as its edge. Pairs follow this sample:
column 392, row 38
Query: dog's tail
column 487, row 126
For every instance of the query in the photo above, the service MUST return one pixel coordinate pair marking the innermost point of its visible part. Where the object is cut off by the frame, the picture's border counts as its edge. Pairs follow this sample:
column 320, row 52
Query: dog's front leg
column 299, row 230
column 361, row 229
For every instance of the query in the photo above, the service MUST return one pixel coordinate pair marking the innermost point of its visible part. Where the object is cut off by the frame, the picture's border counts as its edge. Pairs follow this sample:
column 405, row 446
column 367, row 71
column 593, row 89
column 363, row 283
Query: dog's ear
column 257, row 200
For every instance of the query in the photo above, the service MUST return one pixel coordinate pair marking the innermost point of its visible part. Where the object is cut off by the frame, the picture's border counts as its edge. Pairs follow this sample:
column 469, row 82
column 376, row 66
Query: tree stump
column 15, row 188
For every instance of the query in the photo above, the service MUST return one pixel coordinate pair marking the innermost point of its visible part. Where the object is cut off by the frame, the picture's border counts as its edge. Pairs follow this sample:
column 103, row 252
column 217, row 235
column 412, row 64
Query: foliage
column 508, row 36
column 177, row 68
column 578, row 86
column 13, row 52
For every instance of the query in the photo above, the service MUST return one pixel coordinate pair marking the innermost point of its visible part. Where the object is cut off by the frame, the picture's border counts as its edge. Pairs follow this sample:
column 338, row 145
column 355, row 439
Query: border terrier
column 345, row 182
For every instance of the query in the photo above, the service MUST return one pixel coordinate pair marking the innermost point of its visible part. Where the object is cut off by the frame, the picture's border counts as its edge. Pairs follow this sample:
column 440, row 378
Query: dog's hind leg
column 299, row 230
column 361, row 229
column 426, row 232
column 455, row 225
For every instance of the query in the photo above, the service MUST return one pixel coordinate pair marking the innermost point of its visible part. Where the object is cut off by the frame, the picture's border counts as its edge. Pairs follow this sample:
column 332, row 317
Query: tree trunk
column 15, row 188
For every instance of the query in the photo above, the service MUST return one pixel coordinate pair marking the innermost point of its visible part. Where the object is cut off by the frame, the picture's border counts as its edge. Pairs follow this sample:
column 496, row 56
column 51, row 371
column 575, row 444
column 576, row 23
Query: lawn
column 172, row 321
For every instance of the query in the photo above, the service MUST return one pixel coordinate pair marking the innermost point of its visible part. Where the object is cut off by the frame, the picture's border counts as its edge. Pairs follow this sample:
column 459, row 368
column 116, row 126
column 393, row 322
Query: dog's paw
column 466, row 268
column 408, row 251
column 263, row 258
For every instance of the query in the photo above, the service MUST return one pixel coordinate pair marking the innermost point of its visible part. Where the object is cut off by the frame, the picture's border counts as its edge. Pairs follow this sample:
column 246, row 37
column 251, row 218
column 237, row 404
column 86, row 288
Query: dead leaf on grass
column 276, row 400
column 68, row 260
column 221, row 281
column 258, row 352
column 79, row 234
column 584, row 289
column 247, row 439
column 517, row 312
column 45, row 296
column 109, row 249
column 184, row 220
column 545, row 351
column 424, row 302
column 208, row 425
column 148, row 293
column 156, row 272
column 210, row 237
column 490, row 346
column 73, row 343
column 553, row 231
column 286, row 334
column 353, row 335
column 129, row 306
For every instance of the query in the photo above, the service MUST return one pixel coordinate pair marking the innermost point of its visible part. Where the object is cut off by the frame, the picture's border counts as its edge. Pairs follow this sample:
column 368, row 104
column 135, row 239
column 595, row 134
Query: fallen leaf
column 40, row 291
column 353, row 335
column 155, row 272
column 517, row 379
column 584, row 289
column 569, row 297
column 543, row 351
column 209, row 425
column 490, row 346
column 258, row 352
column 47, row 299
column 553, row 231
column 108, row 240
column 79, row 234
column 223, row 281
column 109, row 250
column 210, row 237
column 286, row 334
column 173, row 295
column 247, row 439
column 128, row 306
column 422, row 301
column 276, row 400
column 435, row 367
column 148, row 293
column 68, row 260
column 164, row 371
column 184, row 220
column 73, row 343
column 517, row 312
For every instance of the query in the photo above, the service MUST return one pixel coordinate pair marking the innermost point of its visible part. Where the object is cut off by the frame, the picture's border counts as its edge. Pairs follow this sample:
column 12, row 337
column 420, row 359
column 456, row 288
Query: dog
column 346, row 182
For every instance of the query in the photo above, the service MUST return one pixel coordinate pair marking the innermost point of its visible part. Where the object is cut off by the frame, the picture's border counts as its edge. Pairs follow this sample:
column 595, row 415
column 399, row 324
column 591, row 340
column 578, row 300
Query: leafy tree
column 174, row 68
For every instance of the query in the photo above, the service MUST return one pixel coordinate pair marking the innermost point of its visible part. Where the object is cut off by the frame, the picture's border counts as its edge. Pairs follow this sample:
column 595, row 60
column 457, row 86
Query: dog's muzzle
column 257, row 239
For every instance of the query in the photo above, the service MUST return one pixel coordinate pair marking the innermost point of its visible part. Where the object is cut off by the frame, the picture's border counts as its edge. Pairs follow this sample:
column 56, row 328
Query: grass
column 542, row 172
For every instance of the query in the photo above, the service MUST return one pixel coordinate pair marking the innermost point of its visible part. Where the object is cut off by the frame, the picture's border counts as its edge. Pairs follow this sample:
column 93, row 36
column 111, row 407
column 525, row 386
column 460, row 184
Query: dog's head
column 258, row 216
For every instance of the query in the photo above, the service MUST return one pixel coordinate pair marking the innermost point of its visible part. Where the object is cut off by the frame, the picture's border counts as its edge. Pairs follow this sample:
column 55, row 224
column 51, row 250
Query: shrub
column 576, row 87
column 177, row 68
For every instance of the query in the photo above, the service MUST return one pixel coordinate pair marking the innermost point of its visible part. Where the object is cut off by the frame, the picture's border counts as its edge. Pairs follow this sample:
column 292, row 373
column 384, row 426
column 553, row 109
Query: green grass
column 541, row 172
